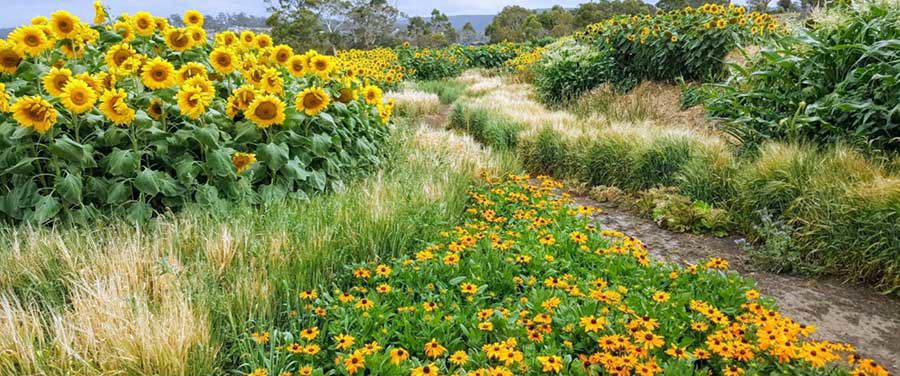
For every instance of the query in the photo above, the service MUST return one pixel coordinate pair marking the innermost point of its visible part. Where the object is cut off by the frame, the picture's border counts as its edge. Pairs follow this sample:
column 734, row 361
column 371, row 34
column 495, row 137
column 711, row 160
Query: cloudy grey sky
column 18, row 12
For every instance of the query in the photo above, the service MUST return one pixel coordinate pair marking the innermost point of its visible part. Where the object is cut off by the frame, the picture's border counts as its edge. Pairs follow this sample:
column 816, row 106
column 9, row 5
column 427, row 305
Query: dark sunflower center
column 312, row 100
column 266, row 110
column 32, row 41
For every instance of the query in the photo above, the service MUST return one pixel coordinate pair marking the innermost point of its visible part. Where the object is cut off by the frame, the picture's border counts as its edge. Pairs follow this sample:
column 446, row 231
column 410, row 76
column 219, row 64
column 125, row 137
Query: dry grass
column 413, row 103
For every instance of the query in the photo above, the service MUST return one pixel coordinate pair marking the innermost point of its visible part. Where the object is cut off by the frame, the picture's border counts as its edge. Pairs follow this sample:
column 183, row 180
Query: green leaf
column 46, row 209
column 207, row 136
column 122, row 162
column 273, row 155
column 70, row 187
column 22, row 167
column 147, row 182
column 66, row 148
column 294, row 170
column 321, row 143
column 219, row 164
column 119, row 193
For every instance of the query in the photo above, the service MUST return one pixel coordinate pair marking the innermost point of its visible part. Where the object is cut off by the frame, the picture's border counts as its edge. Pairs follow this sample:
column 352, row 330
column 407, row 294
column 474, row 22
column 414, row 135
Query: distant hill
column 4, row 31
column 479, row 21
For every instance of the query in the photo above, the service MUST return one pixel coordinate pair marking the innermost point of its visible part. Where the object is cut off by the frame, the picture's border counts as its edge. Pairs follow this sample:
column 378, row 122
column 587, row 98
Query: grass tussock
column 413, row 104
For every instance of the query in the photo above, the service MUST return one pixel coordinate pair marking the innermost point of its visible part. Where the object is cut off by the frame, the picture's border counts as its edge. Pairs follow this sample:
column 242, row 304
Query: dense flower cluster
column 529, row 285
column 380, row 66
column 133, row 108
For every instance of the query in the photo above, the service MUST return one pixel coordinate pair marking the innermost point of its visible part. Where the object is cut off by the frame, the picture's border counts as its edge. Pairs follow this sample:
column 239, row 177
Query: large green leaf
column 273, row 155
column 70, row 188
column 122, row 162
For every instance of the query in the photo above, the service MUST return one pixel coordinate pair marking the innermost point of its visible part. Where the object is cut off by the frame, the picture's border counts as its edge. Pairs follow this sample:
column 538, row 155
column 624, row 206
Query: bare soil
column 840, row 312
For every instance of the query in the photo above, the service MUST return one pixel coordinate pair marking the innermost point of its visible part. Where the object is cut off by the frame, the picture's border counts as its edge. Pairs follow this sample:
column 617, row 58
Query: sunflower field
column 136, row 115
column 527, row 285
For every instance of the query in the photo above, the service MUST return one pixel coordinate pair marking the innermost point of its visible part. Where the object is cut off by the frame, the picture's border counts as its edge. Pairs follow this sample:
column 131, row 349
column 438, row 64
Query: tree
column 759, row 5
column 373, row 23
column 593, row 12
column 514, row 24
column 437, row 31
column 469, row 35
column 786, row 5
column 557, row 21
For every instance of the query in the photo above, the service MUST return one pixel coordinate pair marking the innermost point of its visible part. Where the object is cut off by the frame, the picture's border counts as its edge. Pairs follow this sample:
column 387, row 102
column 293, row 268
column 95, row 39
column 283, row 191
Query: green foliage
column 569, row 68
column 596, row 11
column 688, row 43
column 514, row 24
column 447, row 91
column 433, row 64
column 491, row 130
column 676, row 212
column 838, row 81
column 494, row 55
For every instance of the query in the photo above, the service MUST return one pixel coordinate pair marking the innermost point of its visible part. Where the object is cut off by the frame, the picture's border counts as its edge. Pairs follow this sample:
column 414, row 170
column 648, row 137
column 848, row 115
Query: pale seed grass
column 414, row 103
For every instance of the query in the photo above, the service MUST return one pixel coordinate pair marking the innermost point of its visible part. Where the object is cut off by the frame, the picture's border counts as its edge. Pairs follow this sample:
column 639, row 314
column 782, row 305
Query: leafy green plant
column 569, row 68
column 836, row 81
column 676, row 212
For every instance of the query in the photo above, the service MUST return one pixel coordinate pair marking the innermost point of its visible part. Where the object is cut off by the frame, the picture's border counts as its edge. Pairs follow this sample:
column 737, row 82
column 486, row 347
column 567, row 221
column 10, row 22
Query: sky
column 19, row 12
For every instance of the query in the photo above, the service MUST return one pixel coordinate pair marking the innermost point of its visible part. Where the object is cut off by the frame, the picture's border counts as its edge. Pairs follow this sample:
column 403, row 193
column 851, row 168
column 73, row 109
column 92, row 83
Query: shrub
column 104, row 126
column 676, row 212
column 837, row 81
column 568, row 69
column 494, row 55
column 433, row 64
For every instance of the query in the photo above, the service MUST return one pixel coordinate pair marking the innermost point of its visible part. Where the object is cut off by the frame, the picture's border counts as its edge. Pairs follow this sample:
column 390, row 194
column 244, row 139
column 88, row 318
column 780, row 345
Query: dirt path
column 841, row 313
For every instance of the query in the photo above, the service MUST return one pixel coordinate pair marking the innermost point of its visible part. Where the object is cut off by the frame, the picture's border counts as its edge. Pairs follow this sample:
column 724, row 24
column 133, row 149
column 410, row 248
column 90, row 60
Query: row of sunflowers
column 137, row 115
column 529, row 285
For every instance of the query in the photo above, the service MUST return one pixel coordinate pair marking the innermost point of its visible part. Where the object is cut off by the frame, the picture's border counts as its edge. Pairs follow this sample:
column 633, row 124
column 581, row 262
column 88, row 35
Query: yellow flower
column 158, row 74
column 192, row 101
column 30, row 40
column 426, row 370
column 296, row 65
column 265, row 111
column 263, row 41
column 434, row 349
column 34, row 112
column 197, row 34
column 114, row 107
column 372, row 94
column 459, row 358
column 143, row 23
column 242, row 162
column 4, row 99
column 55, row 80
column 550, row 363
column 191, row 70
column 178, row 39
column 193, row 18
column 312, row 100
column 468, row 288
column 63, row 24
column 9, row 57
column 398, row 355
column 344, row 341
column 78, row 97
column 125, row 30
column 248, row 39
column 99, row 13
column 321, row 65
column 222, row 60
column 661, row 297
column 309, row 334
column 118, row 54
column 283, row 53
column 226, row 39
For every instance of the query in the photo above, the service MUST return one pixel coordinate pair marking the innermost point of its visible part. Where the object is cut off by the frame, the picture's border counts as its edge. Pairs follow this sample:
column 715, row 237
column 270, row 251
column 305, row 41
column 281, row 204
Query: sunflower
column 178, row 39
column 55, row 80
column 271, row 82
column 30, row 40
column 190, row 70
column 222, row 60
column 312, row 100
column 9, row 57
column 283, row 53
column 226, row 39
column 117, row 54
column 124, row 30
column 265, row 110
column 158, row 74
column 242, row 161
column 193, row 18
column 71, row 49
column 4, row 99
column 78, row 97
column 198, row 35
column 204, row 84
column 192, row 102
column 99, row 13
column 372, row 94
column 143, row 23
column 63, row 24
column 114, row 107
column 296, row 65
column 263, row 41
column 321, row 65
column 34, row 112
column 240, row 100
column 155, row 108
column 248, row 39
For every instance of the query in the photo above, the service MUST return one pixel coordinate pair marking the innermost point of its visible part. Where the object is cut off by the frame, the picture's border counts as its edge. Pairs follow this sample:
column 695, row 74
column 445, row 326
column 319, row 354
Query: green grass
column 447, row 90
